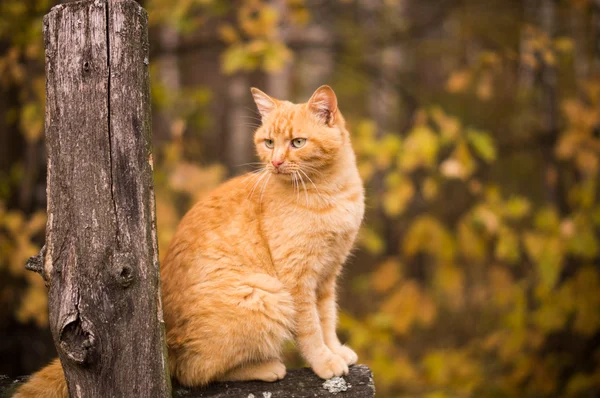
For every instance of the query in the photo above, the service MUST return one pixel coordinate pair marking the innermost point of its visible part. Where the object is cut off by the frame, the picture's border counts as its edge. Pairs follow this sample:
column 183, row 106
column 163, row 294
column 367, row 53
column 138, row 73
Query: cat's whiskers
column 252, row 125
column 251, row 164
column 253, row 174
column 321, row 196
column 304, row 185
column 263, row 189
column 259, row 179
column 296, row 186
column 312, row 170
column 254, row 111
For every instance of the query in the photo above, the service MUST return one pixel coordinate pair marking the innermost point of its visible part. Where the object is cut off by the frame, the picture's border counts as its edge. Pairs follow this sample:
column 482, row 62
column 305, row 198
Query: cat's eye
column 269, row 144
column 298, row 142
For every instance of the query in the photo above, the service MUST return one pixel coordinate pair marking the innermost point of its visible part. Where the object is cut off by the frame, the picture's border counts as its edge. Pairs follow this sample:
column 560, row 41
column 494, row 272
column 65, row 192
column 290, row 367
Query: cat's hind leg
column 243, row 320
column 270, row 371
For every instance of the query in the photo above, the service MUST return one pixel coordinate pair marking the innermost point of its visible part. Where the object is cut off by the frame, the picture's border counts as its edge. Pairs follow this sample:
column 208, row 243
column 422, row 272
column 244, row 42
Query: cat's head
column 299, row 137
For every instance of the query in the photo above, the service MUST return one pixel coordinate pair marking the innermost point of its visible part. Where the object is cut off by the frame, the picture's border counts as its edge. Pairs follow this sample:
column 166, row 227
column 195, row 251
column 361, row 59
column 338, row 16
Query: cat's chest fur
column 313, row 235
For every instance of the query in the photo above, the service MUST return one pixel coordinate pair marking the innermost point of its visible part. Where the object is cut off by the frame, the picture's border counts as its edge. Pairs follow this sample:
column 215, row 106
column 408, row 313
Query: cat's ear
column 264, row 103
column 323, row 104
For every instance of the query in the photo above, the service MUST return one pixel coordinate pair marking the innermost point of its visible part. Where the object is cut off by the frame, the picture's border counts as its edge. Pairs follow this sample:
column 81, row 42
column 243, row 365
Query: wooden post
column 298, row 383
column 101, row 259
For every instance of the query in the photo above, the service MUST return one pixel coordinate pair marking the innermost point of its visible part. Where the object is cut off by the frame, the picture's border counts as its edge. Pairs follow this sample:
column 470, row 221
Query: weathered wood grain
column 298, row 383
column 101, row 260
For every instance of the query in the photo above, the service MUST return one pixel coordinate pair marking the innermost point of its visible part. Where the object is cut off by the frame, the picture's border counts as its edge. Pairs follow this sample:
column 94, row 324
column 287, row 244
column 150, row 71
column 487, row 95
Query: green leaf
column 234, row 58
column 371, row 241
column 483, row 144
column 517, row 207
column 428, row 235
column 396, row 199
column 547, row 254
column 420, row 149
column 507, row 246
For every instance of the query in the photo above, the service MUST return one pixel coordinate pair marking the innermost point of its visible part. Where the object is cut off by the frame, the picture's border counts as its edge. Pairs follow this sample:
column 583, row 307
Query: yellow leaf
column 472, row 246
column 397, row 198
column 366, row 129
column 449, row 126
column 276, row 57
column 582, row 385
column 458, row 81
column 449, row 280
column 485, row 216
column 194, row 180
column 586, row 292
column 485, row 87
column 36, row 223
column 427, row 234
column 507, row 246
column 502, row 285
column 404, row 369
column 366, row 170
column 547, row 220
column 228, row 33
column 427, row 311
column 32, row 122
column 587, row 161
column 403, row 304
column 234, row 58
column 420, row 149
column 584, row 239
column 563, row 44
column 386, row 276
column 517, row 207
column 550, row 316
column 547, row 254
column 460, row 164
column 549, row 57
column 387, row 150
column 429, row 188
column 436, row 368
column 371, row 241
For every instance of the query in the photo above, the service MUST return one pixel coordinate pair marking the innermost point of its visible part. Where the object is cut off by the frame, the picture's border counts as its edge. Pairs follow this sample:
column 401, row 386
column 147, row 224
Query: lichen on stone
column 335, row 385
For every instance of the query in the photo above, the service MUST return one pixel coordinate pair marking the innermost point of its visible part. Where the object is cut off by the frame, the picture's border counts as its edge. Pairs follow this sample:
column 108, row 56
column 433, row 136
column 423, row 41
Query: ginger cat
column 256, row 262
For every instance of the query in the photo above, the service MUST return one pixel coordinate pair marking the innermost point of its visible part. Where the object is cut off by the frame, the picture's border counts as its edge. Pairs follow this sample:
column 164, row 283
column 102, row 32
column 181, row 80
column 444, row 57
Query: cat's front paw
column 347, row 354
column 329, row 366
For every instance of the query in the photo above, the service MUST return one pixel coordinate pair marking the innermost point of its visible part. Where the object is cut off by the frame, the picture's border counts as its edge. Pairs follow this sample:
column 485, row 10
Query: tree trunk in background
column 547, row 15
column 170, row 78
column 101, row 262
column 579, row 31
column 278, row 84
column 596, row 36
column 550, row 111
column 526, row 71
column 242, row 122
column 314, row 62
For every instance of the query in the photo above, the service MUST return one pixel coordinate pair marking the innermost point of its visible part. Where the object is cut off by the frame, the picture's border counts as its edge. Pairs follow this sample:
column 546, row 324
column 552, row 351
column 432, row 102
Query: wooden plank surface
column 298, row 383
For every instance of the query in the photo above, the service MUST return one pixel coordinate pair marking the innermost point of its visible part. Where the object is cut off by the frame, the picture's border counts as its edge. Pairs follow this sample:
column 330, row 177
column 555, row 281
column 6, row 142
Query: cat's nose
column 276, row 163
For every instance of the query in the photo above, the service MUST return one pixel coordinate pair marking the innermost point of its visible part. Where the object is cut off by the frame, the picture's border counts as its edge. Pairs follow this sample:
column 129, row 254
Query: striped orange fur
column 256, row 262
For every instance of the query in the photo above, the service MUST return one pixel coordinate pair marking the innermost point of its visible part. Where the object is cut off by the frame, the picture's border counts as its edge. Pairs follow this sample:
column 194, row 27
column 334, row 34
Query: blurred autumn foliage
column 477, row 130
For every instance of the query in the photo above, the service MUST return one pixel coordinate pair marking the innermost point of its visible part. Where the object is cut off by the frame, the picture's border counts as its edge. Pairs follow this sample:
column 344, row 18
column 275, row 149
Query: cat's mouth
column 280, row 171
column 284, row 170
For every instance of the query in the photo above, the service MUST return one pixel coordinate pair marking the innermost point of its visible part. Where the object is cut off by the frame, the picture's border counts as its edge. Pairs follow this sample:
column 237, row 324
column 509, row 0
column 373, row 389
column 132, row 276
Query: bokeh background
column 477, row 130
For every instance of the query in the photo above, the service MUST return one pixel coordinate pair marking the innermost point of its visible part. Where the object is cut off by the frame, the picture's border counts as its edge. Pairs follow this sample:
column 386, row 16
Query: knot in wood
column 123, row 269
column 86, row 68
column 77, row 341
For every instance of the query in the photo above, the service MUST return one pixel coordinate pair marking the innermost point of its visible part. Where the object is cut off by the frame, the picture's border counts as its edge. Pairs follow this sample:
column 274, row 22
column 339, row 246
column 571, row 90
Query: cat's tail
column 47, row 383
